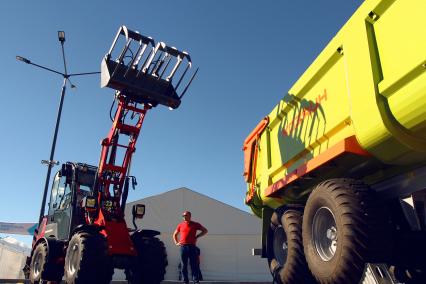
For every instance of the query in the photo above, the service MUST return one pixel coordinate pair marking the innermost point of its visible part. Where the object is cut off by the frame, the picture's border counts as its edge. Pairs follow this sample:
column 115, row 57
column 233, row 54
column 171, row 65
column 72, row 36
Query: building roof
column 15, row 245
column 163, row 213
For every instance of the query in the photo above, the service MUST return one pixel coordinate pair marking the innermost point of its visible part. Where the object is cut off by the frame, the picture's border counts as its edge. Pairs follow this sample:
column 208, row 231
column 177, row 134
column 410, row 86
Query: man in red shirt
column 188, row 238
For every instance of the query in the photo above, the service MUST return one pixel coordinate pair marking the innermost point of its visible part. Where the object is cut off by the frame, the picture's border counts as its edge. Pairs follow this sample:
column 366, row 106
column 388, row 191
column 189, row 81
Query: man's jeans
column 189, row 252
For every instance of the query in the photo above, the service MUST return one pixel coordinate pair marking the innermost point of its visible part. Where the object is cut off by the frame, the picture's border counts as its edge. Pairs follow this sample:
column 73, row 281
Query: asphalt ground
column 125, row 282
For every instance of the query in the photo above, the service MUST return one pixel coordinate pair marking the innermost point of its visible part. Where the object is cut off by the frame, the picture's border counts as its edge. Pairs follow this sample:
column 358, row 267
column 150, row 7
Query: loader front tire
column 285, row 248
column 149, row 266
column 39, row 262
column 344, row 227
column 87, row 260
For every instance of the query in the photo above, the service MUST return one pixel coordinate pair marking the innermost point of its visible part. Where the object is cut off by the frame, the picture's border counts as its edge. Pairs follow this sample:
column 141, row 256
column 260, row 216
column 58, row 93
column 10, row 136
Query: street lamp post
column 50, row 163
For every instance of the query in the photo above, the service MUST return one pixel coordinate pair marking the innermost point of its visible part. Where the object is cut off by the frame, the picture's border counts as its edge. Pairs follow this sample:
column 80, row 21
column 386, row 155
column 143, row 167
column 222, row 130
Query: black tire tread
column 363, row 223
column 41, row 246
column 150, row 264
column 95, row 265
column 295, row 269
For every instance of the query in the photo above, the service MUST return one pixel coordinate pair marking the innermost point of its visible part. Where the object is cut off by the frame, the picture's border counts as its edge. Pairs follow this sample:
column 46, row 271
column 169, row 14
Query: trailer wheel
column 150, row 264
column 343, row 228
column 409, row 276
column 285, row 249
column 87, row 260
column 38, row 262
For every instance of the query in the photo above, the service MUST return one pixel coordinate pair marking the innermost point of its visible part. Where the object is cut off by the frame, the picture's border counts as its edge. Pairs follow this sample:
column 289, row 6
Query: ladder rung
column 119, row 145
column 127, row 129
column 114, row 168
column 109, row 181
column 135, row 109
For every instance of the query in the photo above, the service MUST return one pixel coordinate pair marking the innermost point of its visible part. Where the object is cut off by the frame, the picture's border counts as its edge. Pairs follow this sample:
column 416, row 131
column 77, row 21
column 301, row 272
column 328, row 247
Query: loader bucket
column 144, row 71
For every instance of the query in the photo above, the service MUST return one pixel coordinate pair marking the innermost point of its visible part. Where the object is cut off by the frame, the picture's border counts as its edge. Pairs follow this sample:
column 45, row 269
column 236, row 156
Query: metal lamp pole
column 50, row 163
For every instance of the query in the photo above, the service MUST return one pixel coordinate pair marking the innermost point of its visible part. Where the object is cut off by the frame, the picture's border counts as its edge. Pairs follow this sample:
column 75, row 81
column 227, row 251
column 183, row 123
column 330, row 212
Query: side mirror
column 138, row 211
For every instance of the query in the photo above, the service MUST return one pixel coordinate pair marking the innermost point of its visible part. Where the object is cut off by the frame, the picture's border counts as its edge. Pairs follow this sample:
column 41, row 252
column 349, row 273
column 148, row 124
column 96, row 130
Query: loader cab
column 70, row 185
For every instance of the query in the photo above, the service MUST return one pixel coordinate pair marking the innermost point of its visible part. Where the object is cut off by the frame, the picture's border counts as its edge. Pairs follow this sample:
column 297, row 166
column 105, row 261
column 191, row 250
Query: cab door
column 60, row 208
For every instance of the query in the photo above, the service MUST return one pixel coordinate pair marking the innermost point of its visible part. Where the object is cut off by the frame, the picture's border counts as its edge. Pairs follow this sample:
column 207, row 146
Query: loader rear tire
column 87, row 260
column 344, row 227
column 285, row 248
column 150, row 264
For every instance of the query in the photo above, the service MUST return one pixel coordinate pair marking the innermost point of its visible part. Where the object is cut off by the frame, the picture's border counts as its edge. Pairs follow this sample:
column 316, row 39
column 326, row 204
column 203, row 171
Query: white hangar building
column 13, row 255
column 225, row 250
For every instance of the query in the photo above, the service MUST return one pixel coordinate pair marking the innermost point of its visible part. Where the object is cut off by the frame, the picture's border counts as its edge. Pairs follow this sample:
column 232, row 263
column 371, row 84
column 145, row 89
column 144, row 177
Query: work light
column 138, row 211
column 89, row 202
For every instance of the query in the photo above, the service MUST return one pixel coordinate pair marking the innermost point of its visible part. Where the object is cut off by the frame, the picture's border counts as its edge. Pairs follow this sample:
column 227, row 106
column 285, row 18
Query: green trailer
column 337, row 170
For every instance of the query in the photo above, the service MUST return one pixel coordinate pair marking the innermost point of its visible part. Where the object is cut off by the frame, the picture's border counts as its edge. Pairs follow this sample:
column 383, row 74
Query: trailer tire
column 286, row 258
column 408, row 276
column 344, row 227
column 149, row 266
column 87, row 259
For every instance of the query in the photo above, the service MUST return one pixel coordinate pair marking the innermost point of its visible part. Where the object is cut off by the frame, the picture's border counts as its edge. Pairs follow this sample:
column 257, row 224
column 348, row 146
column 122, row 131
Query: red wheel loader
column 84, row 235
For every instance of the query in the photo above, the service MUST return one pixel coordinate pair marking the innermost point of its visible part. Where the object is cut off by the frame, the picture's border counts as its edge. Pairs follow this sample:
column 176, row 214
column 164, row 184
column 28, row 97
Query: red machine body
column 111, row 177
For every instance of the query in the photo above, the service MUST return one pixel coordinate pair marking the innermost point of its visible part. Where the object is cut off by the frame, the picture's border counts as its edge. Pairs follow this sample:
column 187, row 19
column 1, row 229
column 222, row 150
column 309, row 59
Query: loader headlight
column 138, row 211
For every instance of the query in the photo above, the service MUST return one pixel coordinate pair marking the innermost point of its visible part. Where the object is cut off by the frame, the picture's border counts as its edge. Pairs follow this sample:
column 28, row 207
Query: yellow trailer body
column 358, row 110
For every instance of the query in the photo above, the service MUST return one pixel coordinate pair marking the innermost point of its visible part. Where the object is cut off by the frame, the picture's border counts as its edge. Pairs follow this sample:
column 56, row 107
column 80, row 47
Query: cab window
column 82, row 192
column 58, row 188
column 60, row 198
column 65, row 199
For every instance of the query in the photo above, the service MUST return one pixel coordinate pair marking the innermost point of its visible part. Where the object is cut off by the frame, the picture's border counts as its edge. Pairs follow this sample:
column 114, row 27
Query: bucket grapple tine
column 189, row 83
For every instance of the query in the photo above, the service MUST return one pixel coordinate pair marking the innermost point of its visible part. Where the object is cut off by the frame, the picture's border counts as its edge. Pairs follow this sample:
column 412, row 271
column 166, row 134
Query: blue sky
column 249, row 53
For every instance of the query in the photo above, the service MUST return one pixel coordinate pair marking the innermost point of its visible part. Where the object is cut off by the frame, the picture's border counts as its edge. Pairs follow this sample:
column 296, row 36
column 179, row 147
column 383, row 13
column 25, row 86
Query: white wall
column 11, row 262
column 223, row 257
column 225, row 250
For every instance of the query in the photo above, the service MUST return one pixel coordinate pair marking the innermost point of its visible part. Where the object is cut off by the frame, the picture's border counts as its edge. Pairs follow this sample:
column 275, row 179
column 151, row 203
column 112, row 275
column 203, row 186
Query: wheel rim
column 37, row 265
column 324, row 233
column 280, row 245
column 73, row 259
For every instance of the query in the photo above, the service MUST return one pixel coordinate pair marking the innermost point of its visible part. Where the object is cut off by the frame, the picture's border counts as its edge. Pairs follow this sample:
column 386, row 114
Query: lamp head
column 23, row 59
column 61, row 36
